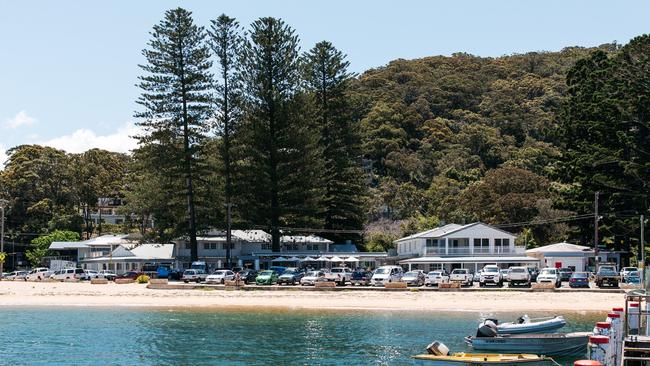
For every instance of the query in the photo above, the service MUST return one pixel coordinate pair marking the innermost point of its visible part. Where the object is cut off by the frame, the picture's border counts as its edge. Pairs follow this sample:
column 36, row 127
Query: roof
column 304, row 239
column 426, row 260
column 106, row 240
column 561, row 248
column 448, row 229
column 138, row 252
column 63, row 245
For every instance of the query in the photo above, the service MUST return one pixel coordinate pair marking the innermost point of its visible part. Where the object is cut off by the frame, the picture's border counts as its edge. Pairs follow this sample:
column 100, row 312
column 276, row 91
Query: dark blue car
column 579, row 279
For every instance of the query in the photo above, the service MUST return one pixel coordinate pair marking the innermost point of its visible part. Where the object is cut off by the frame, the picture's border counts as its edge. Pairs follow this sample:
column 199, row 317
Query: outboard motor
column 487, row 329
column 438, row 349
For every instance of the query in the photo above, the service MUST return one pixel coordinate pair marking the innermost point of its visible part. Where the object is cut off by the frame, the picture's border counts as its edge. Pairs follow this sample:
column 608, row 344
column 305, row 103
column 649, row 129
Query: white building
column 462, row 246
column 577, row 257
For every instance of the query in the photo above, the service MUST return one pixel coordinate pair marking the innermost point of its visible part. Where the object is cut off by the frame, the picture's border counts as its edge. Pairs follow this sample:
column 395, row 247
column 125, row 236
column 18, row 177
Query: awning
column 336, row 259
column 435, row 260
column 279, row 259
column 293, row 259
column 308, row 259
column 351, row 259
column 322, row 259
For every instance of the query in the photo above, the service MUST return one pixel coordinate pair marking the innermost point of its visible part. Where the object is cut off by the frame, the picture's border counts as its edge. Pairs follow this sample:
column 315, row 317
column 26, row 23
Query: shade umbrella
column 293, row 259
column 336, row 259
column 322, row 259
column 308, row 259
column 279, row 259
column 351, row 259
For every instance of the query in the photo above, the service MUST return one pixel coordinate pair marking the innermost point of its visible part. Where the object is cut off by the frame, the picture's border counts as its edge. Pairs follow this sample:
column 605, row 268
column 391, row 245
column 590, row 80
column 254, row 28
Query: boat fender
column 487, row 329
column 438, row 349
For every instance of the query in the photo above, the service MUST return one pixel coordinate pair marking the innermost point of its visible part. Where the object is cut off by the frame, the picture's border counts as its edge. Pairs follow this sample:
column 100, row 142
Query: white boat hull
column 541, row 344
column 544, row 326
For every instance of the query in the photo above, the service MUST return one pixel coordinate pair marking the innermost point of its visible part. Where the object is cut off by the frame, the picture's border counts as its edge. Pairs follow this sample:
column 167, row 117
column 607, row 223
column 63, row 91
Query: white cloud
column 84, row 139
column 3, row 156
column 20, row 119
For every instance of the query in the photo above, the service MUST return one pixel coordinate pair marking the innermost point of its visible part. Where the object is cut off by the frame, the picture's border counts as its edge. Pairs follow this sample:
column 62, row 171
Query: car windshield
column 312, row 274
column 219, row 273
column 490, row 269
column 382, row 271
column 549, row 271
column 634, row 274
column 189, row 272
column 459, row 271
column 580, row 275
column 290, row 271
column 266, row 273
column 517, row 270
column 435, row 273
column 411, row 274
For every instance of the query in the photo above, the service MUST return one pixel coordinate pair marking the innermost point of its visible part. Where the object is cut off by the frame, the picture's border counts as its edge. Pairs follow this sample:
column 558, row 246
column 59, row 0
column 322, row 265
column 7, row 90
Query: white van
column 38, row 274
column 69, row 274
column 386, row 274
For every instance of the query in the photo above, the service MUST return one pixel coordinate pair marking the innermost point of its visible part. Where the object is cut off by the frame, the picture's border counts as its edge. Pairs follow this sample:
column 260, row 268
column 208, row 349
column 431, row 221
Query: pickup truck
column 491, row 275
column 519, row 276
column 340, row 275
column 463, row 276
column 607, row 275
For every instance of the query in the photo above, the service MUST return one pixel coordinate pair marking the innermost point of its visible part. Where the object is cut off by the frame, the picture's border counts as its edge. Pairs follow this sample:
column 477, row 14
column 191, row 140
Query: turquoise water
column 97, row 336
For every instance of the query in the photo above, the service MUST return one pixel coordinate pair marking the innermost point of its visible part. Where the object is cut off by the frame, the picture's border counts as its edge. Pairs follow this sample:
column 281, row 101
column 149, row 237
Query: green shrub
column 142, row 279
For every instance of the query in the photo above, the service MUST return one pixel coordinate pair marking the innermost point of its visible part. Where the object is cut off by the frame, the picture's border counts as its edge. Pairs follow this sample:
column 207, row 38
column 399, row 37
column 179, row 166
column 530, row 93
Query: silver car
column 415, row 278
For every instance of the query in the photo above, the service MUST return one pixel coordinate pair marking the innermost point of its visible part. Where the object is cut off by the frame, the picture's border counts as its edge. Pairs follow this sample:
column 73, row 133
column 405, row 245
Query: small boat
column 480, row 359
column 525, row 324
column 438, row 355
column 559, row 344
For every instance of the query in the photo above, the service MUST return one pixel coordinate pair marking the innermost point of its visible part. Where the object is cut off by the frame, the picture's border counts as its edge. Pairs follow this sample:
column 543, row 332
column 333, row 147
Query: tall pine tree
column 226, row 42
column 282, row 162
column 177, row 106
column 327, row 79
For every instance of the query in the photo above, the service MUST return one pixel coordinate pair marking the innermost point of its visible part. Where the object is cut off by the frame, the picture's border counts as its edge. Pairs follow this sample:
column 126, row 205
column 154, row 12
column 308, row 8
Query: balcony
column 458, row 250
column 436, row 251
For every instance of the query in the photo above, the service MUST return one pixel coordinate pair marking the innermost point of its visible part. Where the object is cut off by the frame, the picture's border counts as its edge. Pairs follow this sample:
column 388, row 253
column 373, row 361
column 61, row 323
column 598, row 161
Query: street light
column 3, row 204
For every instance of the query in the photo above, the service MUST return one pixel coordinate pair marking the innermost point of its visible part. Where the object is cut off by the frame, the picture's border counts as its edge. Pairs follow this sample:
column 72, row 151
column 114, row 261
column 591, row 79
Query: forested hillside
column 293, row 142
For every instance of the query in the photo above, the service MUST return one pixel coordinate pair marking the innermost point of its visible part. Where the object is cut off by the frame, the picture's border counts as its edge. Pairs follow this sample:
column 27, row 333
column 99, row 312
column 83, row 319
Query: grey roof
column 64, row 245
column 448, row 229
column 561, row 248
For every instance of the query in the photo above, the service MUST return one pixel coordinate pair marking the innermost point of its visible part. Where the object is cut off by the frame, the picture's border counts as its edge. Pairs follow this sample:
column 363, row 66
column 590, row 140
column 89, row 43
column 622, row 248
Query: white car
column 90, row 274
column 68, row 274
column 220, row 276
column 109, row 275
column 39, row 274
column 386, row 274
column 550, row 275
column 310, row 278
column 462, row 276
column 194, row 275
column 16, row 275
column 435, row 278
column 491, row 275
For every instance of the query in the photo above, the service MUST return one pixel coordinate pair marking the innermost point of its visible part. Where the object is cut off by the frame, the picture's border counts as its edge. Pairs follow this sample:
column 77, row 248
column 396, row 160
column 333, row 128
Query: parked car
column 550, row 275
column 267, row 277
column 278, row 269
column 435, row 278
column 220, row 276
column 462, row 276
column 415, row 278
column 194, row 275
column 175, row 274
column 310, row 278
column 625, row 271
column 291, row 276
column 491, row 275
column 132, row 275
column 39, row 274
column 579, row 279
column 386, row 274
column 16, row 275
column 68, row 274
column 340, row 275
column 565, row 274
column 89, row 274
column 633, row 278
column 607, row 275
column 518, row 276
column 248, row 276
column 361, row 277
column 109, row 275
column 504, row 274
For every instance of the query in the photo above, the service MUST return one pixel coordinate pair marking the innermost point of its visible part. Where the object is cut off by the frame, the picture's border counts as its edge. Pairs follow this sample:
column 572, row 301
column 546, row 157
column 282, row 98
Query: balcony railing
column 459, row 250
column 436, row 250
column 475, row 251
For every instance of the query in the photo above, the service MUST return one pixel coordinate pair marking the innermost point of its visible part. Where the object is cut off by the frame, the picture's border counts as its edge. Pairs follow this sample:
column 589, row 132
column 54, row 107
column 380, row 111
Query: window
column 213, row 245
column 206, row 246
column 266, row 246
column 225, row 246
column 187, row 246
column 432, row 243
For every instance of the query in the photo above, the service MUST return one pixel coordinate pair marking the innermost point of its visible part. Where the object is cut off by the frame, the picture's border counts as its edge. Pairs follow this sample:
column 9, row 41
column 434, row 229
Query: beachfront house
column 461, row 246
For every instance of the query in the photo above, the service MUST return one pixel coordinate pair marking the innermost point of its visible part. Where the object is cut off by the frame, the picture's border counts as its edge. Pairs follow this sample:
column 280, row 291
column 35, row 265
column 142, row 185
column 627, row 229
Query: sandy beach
column 137, row 295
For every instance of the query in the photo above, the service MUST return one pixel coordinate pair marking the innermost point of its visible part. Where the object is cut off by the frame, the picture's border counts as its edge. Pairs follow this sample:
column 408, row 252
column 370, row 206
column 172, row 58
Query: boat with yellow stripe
column 483, row 359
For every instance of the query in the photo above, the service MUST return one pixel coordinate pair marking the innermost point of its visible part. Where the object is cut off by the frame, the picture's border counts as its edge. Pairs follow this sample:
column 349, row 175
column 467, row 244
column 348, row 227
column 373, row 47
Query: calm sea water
column 96, row 336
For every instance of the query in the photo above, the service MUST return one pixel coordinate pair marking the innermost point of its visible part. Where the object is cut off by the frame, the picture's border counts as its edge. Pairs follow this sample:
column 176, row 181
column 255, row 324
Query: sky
column 68, row 69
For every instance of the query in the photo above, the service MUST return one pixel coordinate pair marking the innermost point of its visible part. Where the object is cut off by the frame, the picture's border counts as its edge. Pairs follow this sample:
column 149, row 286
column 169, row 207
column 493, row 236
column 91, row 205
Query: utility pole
column 3, row 203
column 596, row 251
column 228, row 233
column 642, row 264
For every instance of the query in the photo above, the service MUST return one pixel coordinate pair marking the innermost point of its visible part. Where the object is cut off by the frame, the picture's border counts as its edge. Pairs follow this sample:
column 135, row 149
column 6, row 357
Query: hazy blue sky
column 68, row 68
